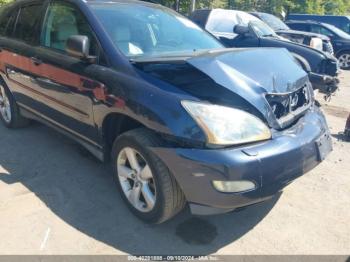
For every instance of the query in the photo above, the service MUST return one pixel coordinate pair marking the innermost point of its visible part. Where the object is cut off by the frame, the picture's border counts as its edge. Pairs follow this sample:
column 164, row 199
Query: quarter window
column 64, row 20
column 27, row 22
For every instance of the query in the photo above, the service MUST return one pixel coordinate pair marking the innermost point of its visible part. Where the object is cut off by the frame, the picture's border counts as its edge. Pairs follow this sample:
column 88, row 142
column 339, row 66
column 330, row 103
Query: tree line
column 277, row 7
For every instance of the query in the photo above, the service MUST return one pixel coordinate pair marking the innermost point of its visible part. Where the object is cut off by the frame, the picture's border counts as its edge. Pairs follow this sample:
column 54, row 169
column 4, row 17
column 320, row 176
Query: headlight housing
column 225, row 125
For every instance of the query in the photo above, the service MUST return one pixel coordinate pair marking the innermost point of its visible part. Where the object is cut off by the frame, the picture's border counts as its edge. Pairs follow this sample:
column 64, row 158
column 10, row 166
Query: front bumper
column 324, row 83
column 271, row 165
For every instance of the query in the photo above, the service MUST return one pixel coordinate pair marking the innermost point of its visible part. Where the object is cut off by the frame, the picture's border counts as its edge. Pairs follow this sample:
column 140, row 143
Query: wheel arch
column 344, row 50
column 113, row 125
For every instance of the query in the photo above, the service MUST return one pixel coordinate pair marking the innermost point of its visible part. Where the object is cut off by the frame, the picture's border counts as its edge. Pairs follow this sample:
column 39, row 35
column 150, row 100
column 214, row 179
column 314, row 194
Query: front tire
column 9, row 111
column 344, row 60
column 145, row 183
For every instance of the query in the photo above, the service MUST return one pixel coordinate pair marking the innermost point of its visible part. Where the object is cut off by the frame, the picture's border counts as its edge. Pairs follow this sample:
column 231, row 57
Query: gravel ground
column 56, row 199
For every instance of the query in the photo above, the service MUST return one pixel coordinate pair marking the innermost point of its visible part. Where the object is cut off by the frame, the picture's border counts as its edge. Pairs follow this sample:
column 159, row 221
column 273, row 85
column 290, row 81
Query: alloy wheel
column 5, row 106
column 344, row 61
column 136, row 179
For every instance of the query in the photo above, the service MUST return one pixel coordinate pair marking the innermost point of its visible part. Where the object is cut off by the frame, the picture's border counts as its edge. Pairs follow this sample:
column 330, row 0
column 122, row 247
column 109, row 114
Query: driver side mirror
column 241, row 29
column 79, row 46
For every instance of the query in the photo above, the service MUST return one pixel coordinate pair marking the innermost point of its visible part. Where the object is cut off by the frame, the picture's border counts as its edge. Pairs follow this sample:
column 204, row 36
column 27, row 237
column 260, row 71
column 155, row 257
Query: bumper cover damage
column 270, row 165
column 324, row 83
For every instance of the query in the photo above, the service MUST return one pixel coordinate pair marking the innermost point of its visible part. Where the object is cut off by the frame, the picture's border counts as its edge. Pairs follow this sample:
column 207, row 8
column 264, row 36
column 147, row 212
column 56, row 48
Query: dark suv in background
column 342, row 22
column 240, row 29
column 301, row 37
column 340, row 40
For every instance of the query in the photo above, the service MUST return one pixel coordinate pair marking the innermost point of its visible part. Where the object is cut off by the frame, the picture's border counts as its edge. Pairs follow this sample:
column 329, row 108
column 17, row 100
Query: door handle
column 89, row 84
column 36, row 61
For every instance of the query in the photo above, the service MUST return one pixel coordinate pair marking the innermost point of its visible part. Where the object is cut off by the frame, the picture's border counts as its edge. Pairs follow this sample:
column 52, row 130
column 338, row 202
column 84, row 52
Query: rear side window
column 321, row 30
column 27, row 22
column 345, row 27
column 301, row 27
column 7, row 22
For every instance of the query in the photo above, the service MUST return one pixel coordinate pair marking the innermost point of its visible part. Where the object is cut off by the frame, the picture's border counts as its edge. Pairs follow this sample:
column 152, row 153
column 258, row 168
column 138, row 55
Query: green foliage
column 4, row 1
column 334, row 7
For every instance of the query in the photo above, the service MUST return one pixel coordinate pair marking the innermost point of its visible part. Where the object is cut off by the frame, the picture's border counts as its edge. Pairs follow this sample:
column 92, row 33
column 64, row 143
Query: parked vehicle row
column 340, row 40
column 182, row 119
column 240, row 29
column 315, row 40
column 341, row 22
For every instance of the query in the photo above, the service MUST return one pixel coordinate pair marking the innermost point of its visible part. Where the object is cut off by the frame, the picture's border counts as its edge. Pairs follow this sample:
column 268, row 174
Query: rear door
column 18, row 44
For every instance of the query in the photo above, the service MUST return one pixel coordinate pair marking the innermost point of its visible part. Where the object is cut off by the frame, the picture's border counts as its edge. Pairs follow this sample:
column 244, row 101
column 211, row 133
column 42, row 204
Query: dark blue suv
column 340, row 40
column 182, row 119
column 342, row 22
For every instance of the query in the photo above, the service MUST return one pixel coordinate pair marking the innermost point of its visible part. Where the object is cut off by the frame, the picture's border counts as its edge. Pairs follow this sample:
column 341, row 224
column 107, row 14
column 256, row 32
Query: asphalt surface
column 57, row 199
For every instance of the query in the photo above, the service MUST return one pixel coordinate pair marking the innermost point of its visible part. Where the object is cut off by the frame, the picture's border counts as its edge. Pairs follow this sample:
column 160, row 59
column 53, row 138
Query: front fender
column 154, row 105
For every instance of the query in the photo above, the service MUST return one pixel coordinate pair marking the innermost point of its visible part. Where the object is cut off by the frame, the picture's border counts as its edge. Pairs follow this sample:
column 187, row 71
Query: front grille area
column 289, row 105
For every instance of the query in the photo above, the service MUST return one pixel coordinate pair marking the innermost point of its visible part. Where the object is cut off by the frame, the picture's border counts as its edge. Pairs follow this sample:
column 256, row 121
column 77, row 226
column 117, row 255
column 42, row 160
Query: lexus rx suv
column 182, row 119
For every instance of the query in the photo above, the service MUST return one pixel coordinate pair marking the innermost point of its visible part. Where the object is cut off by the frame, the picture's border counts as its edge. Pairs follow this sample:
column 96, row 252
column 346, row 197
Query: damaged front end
column 247, row 79
column 279, row 94
column 327, row 79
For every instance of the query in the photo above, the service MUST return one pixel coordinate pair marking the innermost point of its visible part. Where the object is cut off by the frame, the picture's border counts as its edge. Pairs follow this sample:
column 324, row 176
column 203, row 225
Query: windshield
column 274, row 22
column 262, row 29
column 223, row 21
column 337, row 31
column 141, row 30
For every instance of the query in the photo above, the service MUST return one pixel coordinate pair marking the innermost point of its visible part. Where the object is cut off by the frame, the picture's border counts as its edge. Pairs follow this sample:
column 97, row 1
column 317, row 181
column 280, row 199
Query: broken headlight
column 225, row 125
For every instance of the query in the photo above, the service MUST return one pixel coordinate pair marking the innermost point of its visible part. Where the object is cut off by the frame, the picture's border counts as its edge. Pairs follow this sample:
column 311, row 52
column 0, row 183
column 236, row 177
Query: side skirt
column 95, row 149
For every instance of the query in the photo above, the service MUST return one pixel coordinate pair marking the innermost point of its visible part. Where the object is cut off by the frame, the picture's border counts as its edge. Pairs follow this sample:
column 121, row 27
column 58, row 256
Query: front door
column 62, row 79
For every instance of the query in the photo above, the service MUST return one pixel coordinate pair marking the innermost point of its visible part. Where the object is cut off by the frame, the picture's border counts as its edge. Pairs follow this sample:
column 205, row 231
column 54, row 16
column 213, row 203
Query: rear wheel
column 9, row 112
column 145, row 183
column 344, row 60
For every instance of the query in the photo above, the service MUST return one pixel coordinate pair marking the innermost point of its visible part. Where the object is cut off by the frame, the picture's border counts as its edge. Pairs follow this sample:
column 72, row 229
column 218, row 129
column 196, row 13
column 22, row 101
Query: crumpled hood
column 253, row 73
column 236, row 77
column 270, row 70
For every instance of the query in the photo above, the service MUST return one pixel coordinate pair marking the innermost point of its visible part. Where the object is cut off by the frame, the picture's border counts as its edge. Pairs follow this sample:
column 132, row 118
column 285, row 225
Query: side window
column 301, row 27
column 316, row 29
column 64, row 20
column 7, row 23
column 321, row 30
column 27, row 22
column 345, row 27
